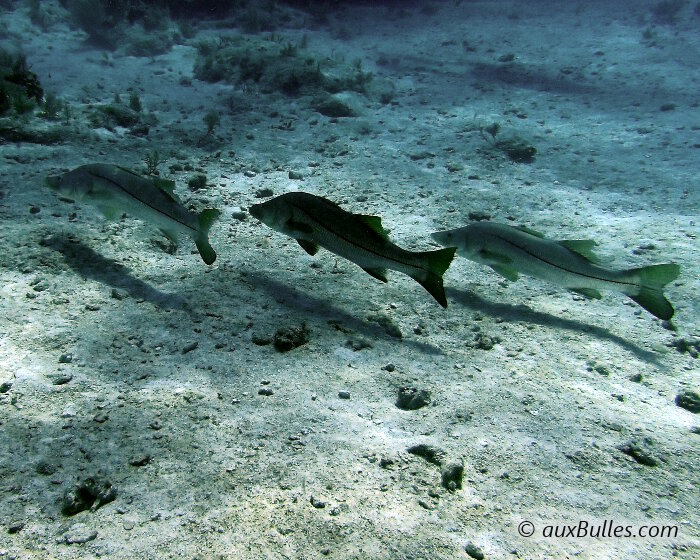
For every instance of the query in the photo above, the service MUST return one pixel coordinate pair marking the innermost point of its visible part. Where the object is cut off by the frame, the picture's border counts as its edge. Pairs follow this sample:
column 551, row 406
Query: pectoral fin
column 506, row 271
column 589, row 293
column 298, row 227
column 493, row 257
column 309, row 246
column 378, row 273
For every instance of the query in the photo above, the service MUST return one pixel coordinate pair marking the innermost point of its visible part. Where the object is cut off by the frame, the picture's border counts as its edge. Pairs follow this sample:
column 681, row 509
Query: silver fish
column 115, row 190
column 570, row 263
column 315, row 221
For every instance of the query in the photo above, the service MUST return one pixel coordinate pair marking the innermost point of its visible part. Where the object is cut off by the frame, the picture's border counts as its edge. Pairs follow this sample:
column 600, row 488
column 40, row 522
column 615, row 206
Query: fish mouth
column 53, row 182
column 440, row 236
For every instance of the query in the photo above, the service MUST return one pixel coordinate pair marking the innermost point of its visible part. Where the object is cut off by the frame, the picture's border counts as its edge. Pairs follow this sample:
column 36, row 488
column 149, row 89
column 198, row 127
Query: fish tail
column 437, row 263
column 206, row 218
column 652, row 280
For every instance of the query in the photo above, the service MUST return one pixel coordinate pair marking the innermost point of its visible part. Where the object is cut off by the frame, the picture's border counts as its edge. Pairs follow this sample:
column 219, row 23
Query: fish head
column 53, row 182
column 445, row 238
column 468, row 240
column 274, row 213
column 72, row 185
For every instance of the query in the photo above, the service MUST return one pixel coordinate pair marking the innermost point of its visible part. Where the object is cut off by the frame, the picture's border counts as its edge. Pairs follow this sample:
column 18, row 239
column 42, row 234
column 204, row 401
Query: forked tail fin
column 652, row 280
column 437, row 263
column 206, row 219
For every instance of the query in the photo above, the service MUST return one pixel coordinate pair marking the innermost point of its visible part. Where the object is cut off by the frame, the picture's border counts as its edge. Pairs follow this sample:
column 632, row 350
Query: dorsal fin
column 582, row 247
column 374, row 223
column 526, row 229
column 167, row 186
column 127, row 170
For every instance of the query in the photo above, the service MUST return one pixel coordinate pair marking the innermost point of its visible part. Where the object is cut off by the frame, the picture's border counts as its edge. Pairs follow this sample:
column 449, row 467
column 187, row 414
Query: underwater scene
column 356, row 280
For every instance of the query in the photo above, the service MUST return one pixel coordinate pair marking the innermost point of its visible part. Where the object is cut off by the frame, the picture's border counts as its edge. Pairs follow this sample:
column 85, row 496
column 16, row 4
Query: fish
column 115, row 190
column 510, row 250
column 316, row 222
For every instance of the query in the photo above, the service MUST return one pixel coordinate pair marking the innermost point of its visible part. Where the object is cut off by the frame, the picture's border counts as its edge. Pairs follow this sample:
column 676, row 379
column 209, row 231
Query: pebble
column 478, row 216
column 15, row 527
column 484, row 342
column 344, row 395
column 191, row 346
column 45, row 468
column 140, row 460
column 410, row 398
column 430, row 453
column 68, row 411
column 90, row 493
column 358, row 343
column 238, row 214
column 474, row 551
column 452, row 475
column 640, row 451
column 65, row 358
column 60, row 378
column 290, row 338
column 261, row 339
column 318, row 504
column 79, row 534
column 5, row 386
column 118, row 294
column 389, row 367
column 101, row 417
column 265, row 391
column 689, row 400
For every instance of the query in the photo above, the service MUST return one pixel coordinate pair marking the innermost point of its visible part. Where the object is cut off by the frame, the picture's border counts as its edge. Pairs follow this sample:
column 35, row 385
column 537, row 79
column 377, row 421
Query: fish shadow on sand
column 530, row 76
column 90, row 264
column 512, row 313
column 321, row 309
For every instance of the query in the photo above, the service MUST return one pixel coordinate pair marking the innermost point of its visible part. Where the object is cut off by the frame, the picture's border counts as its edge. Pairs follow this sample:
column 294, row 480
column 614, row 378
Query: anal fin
column 171, row 235
column 378, row 273
column 309, row 246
